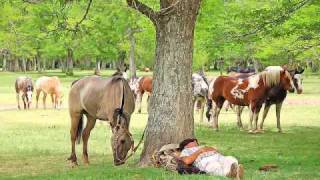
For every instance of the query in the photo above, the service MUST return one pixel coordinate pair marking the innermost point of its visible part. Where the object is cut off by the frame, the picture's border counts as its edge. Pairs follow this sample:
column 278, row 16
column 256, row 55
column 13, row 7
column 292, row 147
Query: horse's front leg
column 24, row 100
column 278, row 111
column 18, row 100
column 91, row 121
column 44, row 100
column 239, row 112
column 265, row 113
column 139, row 100
column 53, row 101
column 202, row 101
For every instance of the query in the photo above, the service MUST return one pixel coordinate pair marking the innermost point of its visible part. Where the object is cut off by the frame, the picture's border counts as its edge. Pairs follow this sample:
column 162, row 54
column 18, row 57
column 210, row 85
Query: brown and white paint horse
column 24, row 87
column 108, row 99
column 139, row 86
column 251, row 91
column 49, row 85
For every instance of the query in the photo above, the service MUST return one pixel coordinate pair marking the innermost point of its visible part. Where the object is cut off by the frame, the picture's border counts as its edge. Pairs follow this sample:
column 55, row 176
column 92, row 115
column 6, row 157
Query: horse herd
column 114, row 99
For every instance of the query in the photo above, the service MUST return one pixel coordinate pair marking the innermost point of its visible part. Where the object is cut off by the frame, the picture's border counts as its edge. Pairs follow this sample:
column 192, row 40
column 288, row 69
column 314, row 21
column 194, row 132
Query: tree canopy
column 272, row 32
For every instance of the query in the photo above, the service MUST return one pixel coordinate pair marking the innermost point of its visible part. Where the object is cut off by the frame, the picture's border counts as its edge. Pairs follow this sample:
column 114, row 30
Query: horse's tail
column 79, row 129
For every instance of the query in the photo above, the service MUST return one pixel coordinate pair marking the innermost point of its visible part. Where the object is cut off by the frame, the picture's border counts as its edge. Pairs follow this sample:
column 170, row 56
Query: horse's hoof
column 251, row 131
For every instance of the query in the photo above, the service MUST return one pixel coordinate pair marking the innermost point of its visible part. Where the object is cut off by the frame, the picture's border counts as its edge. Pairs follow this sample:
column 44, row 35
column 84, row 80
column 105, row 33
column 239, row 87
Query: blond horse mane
column 271, row 78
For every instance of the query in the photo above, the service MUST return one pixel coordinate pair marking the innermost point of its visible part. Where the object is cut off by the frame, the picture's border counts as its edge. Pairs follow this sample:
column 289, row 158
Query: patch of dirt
column 302, row 101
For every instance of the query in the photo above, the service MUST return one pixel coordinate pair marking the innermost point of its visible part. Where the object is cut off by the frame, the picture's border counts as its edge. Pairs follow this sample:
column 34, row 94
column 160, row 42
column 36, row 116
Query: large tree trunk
column 38, row 62
column 171, row 111
column 69, row 69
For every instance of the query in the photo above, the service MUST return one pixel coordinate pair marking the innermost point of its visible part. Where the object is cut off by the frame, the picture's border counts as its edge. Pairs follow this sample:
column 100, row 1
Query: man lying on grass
column 209, row 160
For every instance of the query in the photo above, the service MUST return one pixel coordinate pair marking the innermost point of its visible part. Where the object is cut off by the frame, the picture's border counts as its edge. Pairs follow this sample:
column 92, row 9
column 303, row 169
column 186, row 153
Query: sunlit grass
column 35, row 144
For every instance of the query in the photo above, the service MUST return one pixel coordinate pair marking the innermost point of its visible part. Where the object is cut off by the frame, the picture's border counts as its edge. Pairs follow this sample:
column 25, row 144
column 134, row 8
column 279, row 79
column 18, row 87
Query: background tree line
column 36, row 35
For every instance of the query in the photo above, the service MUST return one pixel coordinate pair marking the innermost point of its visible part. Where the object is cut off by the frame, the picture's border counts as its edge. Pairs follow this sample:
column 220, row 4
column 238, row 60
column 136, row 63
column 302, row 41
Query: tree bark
column 133, row 73
column 171, row 112
column 97, row 70
column 24, row 65
column 4, row 64
column 38, row 62
column 69, row 69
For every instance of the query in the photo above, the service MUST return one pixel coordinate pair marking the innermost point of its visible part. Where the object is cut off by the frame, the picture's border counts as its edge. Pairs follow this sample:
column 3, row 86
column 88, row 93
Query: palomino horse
column 251, row 92
column 139, row 86
column 24, row 86
column 107, row 100
column 200, row 91
column 277, row 94
column 52, row 86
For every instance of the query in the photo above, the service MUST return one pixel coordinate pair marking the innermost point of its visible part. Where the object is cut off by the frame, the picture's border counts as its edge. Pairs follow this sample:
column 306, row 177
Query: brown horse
column 107, row 100
column 52, row 86
column 251, row 91
column 139, row 87
column 24, row 86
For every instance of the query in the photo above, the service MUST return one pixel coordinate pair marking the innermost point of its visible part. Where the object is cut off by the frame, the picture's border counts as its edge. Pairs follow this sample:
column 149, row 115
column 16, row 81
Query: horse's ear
column 300, row 72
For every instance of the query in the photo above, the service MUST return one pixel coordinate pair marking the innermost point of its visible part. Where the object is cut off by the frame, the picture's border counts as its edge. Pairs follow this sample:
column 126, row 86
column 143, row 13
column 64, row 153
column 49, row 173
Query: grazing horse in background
column 24, row 86
column 49, row 85
column 200, row 92
column 108, row 99
column 251, row 92
column 139, row 86
column 277, row 94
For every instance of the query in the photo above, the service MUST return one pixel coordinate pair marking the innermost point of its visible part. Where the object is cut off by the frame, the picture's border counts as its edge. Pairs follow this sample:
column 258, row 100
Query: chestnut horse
column 278, row 94
column 139, row 86
column 251, row 91
column 52, row 86
column 24, row 86
column 108, row 99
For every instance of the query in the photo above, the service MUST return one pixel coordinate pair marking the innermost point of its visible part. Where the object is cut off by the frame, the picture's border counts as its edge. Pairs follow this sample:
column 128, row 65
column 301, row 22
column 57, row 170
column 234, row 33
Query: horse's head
column 286, row 80
column 296, row 76
column 121, row 140
column 199, row 85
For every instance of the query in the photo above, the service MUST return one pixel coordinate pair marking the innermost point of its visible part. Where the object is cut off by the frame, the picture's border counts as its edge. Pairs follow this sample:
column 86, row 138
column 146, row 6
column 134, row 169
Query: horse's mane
column 271, row 78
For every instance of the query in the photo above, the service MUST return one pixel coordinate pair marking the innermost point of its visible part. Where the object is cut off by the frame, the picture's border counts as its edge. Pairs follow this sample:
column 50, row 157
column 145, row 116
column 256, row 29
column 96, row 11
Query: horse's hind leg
column 75, row 120
column 37, row 97
column 85, row 137
column 278, row 111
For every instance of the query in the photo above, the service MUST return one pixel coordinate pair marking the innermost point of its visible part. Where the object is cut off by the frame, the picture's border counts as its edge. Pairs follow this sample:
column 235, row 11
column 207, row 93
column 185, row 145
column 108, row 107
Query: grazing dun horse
column 52, row 86
column 24, row 86
column 277, row 94
column 139, row 86
column 251, row 92
column 200, row 92
column 107, row 100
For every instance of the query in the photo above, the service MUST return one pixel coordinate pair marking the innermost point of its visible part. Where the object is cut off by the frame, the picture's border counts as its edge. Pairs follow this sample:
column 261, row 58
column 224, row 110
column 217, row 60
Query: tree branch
column 276, row 20
column 144, row 9
column 84, row 16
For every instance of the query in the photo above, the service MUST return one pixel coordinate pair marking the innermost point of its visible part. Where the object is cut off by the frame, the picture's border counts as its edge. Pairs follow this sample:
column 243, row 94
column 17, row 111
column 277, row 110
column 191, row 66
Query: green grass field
column 35, row 144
